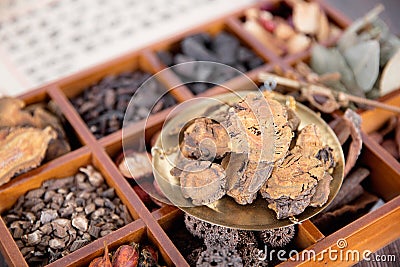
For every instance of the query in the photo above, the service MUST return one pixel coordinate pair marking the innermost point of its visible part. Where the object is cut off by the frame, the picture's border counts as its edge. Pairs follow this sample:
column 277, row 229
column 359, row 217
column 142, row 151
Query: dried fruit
column 126, row 256
column 22, row 149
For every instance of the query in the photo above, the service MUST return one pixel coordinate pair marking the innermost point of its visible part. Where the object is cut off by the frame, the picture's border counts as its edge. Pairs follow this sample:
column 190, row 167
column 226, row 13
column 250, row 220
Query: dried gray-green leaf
column 329, row 60
column 363, row 59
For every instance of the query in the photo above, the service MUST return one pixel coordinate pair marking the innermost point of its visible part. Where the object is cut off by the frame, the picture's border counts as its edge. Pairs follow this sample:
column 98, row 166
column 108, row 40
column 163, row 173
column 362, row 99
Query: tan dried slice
column 322, row 191
column 205, row 139
column 202, row 181
column 283, row 31
column 298, row 43
column 11, row 114
column 22, row 149
column 266, row 38
column 306, row 17
column 390, row 80
column 323, row 27
column 136, row 165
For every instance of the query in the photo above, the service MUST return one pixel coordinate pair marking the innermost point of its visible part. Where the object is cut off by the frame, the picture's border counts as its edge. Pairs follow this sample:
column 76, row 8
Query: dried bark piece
column 390, row 146
column 202, row 181
column 348, row 188
column 389, row 126
column 329, row 222
column 354, row 121
column 22, row 149
column 205, row 139
column 138, row 163
column 322, row 191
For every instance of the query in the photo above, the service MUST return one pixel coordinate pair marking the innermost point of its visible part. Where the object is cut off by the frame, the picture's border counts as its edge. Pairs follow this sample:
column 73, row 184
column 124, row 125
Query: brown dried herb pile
column 28, row 135
column 257, row 147
column 64, row 215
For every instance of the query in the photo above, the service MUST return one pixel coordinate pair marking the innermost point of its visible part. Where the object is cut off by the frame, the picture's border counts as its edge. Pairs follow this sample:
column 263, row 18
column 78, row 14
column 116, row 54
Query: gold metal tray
column 226, row 212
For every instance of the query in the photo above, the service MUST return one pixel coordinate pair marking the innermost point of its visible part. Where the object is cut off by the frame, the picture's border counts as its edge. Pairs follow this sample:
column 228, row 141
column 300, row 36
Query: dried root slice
column 136, row 165
column 22, row 149
column 205, row 140
column 285, row 121
column 278, row 237
column 245, row 178
column 291, row 186
column 310, row 140
column 11, row 114
column 249, row 128
column 202, row 181
column 219, row 256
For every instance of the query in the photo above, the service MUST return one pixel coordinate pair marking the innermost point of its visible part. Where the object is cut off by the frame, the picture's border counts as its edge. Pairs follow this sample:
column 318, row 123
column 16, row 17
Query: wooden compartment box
column 372, row 231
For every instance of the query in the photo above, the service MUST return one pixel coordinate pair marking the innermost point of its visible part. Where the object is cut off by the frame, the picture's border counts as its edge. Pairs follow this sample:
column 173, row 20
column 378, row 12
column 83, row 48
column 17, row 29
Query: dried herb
column 22, row 149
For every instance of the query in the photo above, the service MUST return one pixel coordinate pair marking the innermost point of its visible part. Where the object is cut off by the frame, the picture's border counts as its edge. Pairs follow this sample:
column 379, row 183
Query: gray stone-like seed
column 56, row 243
column 80, row 223
column 47, row 216
column 90, row 208
column 34, row 238
column 36, row 193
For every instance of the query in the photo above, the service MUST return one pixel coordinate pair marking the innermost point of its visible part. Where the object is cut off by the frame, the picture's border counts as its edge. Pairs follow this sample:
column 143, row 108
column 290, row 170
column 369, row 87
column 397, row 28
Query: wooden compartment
column 229, row 25
column 372, row 231
column 135, row 61
column 72, row 162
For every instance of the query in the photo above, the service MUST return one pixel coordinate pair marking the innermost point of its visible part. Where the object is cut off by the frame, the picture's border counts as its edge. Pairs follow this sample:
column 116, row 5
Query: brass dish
column 226, row 212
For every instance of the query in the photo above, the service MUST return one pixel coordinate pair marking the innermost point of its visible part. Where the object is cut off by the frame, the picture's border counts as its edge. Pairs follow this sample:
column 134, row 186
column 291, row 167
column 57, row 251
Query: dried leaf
column 324, row 60
column 363, row 59
column 390, row 79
